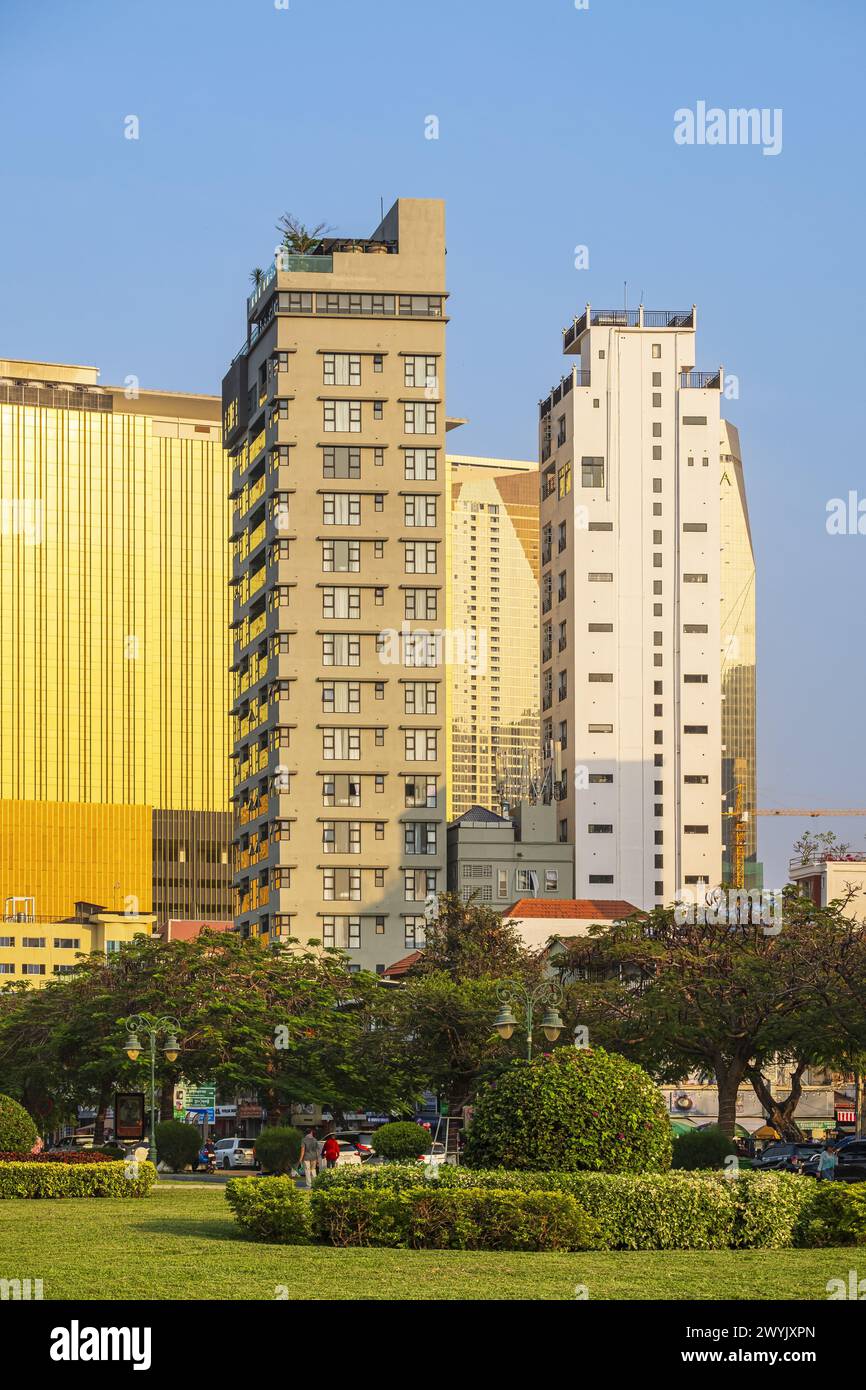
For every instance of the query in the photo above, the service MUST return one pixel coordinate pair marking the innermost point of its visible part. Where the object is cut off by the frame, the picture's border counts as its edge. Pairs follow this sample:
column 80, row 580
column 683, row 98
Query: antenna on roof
column 381, row 208
column 625, row 294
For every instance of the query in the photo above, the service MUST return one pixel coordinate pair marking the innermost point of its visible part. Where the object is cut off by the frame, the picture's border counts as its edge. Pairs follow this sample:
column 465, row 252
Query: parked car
column 785, row 1158
column 362, row 1139
column 435, row 1157
column 73, row 1143
column 235, row 1153
column 851, row 1162
column 348, row 1153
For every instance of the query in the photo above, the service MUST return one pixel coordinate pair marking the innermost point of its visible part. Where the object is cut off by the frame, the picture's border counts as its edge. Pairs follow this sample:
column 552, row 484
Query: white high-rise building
column 630, row 606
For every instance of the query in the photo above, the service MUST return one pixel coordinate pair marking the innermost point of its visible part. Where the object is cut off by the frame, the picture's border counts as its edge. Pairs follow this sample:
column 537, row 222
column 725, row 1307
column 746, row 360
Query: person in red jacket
column 331, row 1151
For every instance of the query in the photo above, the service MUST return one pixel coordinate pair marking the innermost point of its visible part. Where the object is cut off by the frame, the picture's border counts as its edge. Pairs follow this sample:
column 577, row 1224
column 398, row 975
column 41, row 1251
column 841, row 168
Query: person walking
column 310, row 1156
column 827, row 1163
column 331, row 1151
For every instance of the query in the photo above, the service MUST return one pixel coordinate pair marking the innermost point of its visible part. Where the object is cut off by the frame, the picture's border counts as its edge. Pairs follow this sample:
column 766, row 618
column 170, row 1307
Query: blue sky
column 556, row 129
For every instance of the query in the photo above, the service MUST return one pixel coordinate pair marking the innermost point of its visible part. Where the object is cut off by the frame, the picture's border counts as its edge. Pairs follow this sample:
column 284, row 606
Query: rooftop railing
column 626, row 318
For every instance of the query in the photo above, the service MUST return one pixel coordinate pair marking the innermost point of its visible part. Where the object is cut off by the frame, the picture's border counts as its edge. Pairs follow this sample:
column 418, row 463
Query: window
column 600, row 526
column 695, row 627
column 419, row 557
column 420, row 745
column 420, row 603
column 341, row 837
column 339, row 744
column 341, row 461
column 342, row 932
column 32, row 970
column 694, row 579
column 419, row 697
column 600, row 677
column 33, row 943
column 563, row 480
column 421, row 371
column 695, row 679
column 341, row 557
column 600, row 627
column 342, row 417
column 426, row 306
column 419, row 465
column 419, row 417
column 342, row 885
column 696, row 829
column 600, row 577
column 341, row 509
column 600, row 728
column 551, row 880
column 601, row 878
column 418, row 884
column 696, row 779
column 341, row 697
column 341, row 649
column 341, row 369
column 592, row 471
column 657, row 349
column 694, row 728
column 6, row 968
column 694, row 526
column 596, row 829
column 369, row 305
column 600, row 777
column 341, row 602
column 694, row 419
column 420, row 791
column 67, row 943
column 342, row 789
column 7, row 941
column 419, row 837
column 419, row 510
column 413, row 933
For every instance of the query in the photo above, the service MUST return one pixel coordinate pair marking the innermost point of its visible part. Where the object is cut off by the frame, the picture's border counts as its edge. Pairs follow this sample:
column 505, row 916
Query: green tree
column 710, row 997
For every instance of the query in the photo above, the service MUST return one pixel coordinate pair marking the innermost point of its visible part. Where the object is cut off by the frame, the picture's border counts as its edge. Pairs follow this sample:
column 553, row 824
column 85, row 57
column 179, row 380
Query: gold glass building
column 494, row 715
column 739, row 702
column 114, row 567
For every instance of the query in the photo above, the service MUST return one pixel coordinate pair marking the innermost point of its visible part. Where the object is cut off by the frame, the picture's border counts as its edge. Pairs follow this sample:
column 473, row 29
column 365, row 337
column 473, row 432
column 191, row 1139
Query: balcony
column 701, row 381
column 625, row 318
column 578, row 376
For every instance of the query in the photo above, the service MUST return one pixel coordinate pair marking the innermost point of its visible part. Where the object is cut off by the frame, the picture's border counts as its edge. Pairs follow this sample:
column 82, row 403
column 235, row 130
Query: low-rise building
column 37, row 949
column 827, row 880
column 553, row 924
column 499, row 858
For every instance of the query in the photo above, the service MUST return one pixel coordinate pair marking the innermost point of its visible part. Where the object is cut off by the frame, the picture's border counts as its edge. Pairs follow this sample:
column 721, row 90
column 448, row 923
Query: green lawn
column 182, row 1243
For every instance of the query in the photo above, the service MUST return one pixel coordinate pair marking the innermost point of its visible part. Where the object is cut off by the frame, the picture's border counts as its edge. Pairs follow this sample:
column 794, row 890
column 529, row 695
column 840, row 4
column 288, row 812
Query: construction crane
column 740, row 817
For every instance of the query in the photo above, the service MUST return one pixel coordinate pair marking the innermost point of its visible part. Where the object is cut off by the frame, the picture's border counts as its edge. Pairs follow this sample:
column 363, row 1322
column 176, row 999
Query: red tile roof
column 581, row 909
column 403, row 964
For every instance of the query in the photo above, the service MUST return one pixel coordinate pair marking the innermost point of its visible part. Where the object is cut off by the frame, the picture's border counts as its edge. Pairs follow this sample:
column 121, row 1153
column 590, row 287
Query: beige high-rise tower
column 493, row 719
column 334, row 414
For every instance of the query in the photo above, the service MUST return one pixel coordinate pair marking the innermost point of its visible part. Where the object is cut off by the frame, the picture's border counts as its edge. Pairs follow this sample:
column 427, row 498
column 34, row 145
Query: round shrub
column 17, row 1130
column 278, row 1149
column 574, row 1109
column 402, row 1140
column 702, row 1148
column 270, row 1209
column 177, row 1144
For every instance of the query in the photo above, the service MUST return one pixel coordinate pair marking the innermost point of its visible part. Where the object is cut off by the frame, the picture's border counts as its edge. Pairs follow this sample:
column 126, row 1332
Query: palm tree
column 256, row 277
column 298, row 239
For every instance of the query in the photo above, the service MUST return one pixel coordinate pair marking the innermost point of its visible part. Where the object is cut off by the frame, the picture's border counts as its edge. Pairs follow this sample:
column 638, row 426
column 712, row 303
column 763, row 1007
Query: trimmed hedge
column 106, row 1179
column 177, row 1144
column 62, row 1156
column 702, row 1148
column 573, row 1110
column 640, row 1211
column 271, row 1209
column 835, row 1216
column 17, row 1130
column 421, row 1218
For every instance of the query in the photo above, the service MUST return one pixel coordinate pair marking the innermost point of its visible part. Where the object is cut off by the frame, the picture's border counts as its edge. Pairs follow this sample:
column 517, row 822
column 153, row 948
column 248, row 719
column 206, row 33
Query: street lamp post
column 152, row 1028
column 527, row 998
